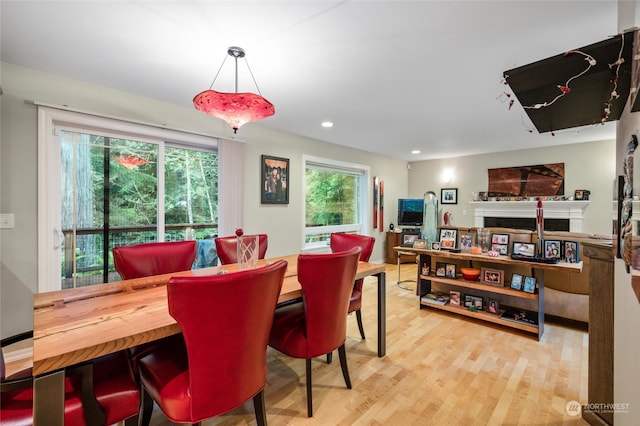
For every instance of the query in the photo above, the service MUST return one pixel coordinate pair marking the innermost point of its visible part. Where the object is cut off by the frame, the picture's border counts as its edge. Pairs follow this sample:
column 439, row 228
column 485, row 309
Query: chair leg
column 342, row 352
column 329, row 357
column 309, row 399
column 360, row 327
column 258, row 407
column 131, row 421
column 146, row 407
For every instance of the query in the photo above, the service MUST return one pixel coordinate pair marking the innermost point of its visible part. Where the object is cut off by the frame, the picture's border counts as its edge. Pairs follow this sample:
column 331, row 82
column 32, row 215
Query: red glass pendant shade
column 234, row 108
column 130, row 161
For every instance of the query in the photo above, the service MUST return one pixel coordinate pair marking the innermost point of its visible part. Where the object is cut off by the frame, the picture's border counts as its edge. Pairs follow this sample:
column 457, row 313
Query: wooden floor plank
column 440, row 369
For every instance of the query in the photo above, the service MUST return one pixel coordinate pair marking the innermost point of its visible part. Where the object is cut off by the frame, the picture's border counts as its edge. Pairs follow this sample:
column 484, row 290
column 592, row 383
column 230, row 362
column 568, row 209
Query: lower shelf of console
column 484, row 316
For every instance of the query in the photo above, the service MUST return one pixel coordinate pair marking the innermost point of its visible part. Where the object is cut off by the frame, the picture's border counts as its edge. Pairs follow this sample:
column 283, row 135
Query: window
column 124, row 185
column 336, row 196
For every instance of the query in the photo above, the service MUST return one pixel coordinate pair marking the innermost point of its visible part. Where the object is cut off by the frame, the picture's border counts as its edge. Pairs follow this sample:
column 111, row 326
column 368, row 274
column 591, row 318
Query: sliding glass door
column 116, row 190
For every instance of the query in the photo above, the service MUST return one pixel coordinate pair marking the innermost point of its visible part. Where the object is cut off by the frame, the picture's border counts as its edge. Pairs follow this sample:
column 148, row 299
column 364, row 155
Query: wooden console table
column 427, row 281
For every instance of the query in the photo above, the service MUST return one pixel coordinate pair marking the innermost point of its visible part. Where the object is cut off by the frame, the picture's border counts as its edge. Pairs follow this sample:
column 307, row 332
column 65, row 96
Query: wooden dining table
column 77, row 325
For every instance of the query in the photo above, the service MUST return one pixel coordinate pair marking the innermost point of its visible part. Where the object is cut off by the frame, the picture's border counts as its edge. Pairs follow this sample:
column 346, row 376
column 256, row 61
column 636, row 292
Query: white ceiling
column 393, row 76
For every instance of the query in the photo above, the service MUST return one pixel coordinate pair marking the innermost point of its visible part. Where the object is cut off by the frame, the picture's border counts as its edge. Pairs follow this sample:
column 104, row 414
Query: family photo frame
column 524, row 249
column 571, row 251
column 500, row 243
column 408, row 238
column 552, row 249
column 516, row 281
column 493, row 307
column 448, row 238
column 467, row 240
column 492, row 276
column 274, row 180
column 475, row 302
column 449, row 196
column 529, row 285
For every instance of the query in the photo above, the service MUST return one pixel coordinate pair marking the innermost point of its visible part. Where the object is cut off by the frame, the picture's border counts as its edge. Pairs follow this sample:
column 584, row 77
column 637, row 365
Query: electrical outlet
column 6, row 220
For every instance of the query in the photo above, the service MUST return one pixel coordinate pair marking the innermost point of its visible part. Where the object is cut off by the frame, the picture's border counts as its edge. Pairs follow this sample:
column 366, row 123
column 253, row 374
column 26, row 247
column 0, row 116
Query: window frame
column 50, row 120
column 364, row 194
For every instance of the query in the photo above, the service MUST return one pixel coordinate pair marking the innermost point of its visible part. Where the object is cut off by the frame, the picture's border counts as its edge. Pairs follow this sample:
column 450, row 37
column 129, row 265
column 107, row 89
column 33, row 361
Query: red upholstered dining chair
column 318, row 325
column 108, row 396
column 225, row 320
column 144, row 260
column 227, row 248
column 341, row 242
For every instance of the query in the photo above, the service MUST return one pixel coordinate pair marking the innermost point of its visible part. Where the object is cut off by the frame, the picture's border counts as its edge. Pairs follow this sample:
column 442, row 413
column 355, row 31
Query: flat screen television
column 410, row 211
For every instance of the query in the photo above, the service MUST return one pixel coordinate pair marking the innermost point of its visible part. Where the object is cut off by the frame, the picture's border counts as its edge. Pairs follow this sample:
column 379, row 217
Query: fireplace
column 558, row 215
column 525, row 223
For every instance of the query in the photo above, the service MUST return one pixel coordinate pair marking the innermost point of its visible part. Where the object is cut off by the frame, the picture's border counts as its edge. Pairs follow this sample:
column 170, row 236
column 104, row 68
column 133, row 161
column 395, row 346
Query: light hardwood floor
column 440, row 369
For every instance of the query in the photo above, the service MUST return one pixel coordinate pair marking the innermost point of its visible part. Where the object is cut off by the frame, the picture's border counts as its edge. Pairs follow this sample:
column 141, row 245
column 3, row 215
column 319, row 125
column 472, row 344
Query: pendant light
column 234, row 108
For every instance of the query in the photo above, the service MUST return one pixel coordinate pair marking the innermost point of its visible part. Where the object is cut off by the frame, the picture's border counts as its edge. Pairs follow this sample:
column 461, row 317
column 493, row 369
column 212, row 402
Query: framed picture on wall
column 274, row 180
column 449, row 196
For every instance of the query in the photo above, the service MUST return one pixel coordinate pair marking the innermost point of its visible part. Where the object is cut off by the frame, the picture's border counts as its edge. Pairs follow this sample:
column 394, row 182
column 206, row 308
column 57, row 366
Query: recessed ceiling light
column 415, row 151
column 327, row 124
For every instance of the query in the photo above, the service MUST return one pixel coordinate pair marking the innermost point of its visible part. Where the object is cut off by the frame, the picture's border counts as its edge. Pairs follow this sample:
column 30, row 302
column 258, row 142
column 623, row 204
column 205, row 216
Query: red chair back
column 143, row 260
column 327, row 281
column 115, row 390
column 227, row 248
column 342, row 242
column 226, row 320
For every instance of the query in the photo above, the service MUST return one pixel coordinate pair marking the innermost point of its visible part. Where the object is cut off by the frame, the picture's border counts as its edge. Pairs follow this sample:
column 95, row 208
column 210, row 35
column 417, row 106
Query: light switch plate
column 6, row 220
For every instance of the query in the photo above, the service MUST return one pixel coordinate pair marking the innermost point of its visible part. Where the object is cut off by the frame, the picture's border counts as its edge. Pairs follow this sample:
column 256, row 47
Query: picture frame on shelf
column 441, row 269
column 493, row 307
column 581, row 194
column 449, row 196
column 552, row 249
column 420, row 244
column 500, row 243
column 454, row 298
column 448, row 238
column 473, row 302
column 467, row 240
column 516, row 281
column 524, row 249
column 407, row 238
column 571, row 251
column 450, row 271
column 529, row 285
column 274, row 180
column 425, row 269
column 435, row 245
column 492, row 276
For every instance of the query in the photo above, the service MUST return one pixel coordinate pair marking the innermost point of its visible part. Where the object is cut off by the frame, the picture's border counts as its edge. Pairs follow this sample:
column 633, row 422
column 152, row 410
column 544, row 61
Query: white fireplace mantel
column 572, row 210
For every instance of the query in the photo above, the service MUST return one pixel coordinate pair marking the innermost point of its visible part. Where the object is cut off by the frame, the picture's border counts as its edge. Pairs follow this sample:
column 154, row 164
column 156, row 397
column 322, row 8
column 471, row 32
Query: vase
column 247, row 251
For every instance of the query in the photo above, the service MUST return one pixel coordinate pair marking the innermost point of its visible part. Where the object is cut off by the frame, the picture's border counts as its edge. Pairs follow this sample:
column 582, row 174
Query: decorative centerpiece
column 470, row 274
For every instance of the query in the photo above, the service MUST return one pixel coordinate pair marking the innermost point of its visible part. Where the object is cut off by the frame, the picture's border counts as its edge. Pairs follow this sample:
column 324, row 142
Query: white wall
column 18, row 172
column 586, row 166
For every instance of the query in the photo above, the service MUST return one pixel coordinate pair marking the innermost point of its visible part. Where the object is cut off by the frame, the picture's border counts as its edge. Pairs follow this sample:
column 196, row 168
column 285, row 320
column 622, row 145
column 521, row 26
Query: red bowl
column 470, row 274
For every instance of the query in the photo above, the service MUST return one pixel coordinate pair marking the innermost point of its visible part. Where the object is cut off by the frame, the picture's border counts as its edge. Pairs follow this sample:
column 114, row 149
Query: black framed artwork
column 274, row 180
column 449, row 196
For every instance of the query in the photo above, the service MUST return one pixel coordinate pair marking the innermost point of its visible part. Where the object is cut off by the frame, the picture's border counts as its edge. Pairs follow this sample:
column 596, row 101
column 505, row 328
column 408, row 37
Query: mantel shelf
column 572, row 210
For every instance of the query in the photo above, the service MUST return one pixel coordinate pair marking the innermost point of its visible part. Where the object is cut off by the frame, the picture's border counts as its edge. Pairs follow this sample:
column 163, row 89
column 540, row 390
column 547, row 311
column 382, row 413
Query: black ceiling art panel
column 589, row 86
